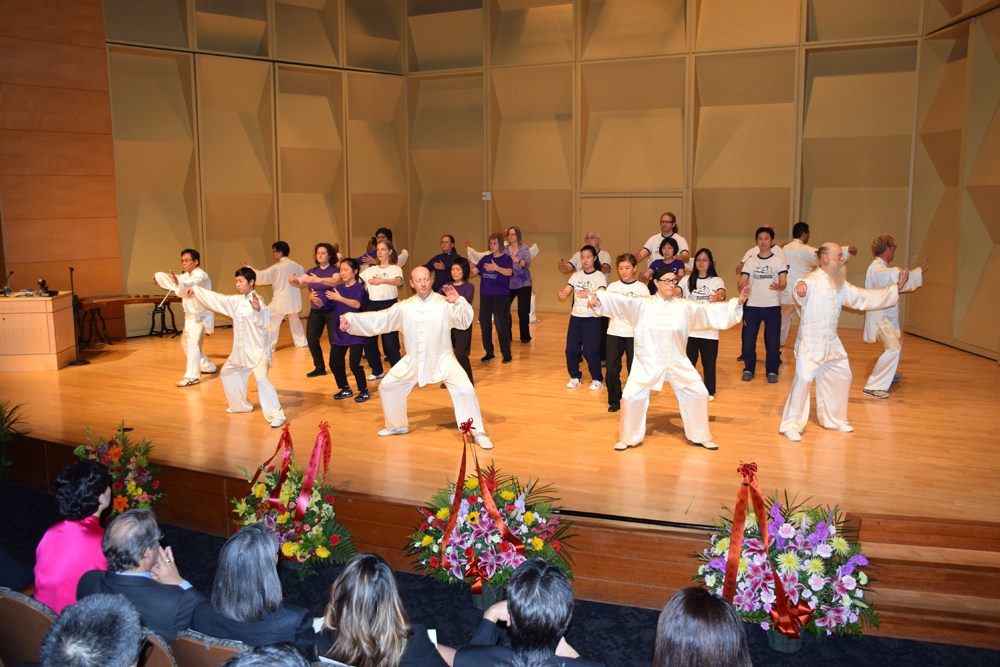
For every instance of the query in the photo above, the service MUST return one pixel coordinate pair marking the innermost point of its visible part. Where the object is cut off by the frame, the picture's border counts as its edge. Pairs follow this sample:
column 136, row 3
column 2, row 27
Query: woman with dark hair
column 247, row 598
column 520, row 280
column 668, row 252
column 699, row 628
column 73, row 546
column 321, row 315
column 347, row 297
column 382, row 280
column 461, row 339
column 365, row 624
column 583, row 337
column 705, row 285
column 494, row 271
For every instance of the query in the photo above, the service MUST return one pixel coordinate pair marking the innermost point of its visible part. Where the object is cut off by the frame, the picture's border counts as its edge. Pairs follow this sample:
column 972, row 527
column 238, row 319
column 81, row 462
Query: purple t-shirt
column 522, row 276
column 466, row 290
column 494, row 283
column 674, row 265
column 321, row 289
column 356, row 292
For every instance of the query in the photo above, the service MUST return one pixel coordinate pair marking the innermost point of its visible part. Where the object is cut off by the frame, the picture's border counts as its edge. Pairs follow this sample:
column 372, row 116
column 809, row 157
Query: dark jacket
column 288, row 623
column 165, row 609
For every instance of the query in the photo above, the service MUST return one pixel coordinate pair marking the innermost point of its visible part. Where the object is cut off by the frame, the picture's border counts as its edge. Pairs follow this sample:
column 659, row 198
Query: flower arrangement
column 480, row 549
column 817, row 560
column 299, row 512
column 133, row 483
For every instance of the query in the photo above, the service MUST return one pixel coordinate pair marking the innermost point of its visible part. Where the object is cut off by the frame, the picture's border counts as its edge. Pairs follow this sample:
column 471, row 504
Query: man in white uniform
column 251, row 348
column 287, row 300
column 198, row 320
column 661, row 323
column 882, row 326
column 819, row 353
column 668, row 228
column 426, row 320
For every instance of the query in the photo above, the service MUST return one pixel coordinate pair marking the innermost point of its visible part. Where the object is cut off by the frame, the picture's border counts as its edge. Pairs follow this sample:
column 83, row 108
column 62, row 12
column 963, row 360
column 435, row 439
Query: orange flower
column 115, row 453
column 121, row 503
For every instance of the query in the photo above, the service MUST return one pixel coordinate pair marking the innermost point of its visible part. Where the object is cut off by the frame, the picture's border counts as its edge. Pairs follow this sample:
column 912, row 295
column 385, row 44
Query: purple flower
column 745, row 601
column 855, row 561
column 490, row 560
column 717, row 563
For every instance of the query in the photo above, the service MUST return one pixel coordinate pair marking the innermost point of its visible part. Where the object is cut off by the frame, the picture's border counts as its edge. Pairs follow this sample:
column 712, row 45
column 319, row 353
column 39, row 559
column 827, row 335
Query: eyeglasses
column 668, row 281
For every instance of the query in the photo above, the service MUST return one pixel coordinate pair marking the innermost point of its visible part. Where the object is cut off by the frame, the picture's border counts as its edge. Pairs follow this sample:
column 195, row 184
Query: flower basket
column 479, row 533
column 133, row 479
column 788, row 566
column 299, row 511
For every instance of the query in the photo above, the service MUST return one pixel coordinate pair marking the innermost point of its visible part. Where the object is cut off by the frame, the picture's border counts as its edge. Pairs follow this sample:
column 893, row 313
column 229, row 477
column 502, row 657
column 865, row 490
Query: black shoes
column 315, row 373
column 362, row 396
column 507, row 360
column 343, row 393
column 488, row 357
column 614, row 407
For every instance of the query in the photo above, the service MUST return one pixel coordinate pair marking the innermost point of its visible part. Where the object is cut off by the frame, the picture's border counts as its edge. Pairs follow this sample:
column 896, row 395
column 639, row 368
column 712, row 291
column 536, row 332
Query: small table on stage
column 92, row 320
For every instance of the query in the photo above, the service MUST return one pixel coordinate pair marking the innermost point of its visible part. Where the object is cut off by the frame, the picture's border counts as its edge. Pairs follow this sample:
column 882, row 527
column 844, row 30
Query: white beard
column 838, row 276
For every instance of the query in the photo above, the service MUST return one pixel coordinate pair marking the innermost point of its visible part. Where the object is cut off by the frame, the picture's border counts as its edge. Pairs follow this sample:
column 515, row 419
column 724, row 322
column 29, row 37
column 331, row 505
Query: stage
column 918, row 464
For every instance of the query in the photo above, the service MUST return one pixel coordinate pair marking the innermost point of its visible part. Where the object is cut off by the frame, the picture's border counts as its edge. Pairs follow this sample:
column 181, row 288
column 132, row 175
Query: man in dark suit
column 145, row 573
column 537, row 611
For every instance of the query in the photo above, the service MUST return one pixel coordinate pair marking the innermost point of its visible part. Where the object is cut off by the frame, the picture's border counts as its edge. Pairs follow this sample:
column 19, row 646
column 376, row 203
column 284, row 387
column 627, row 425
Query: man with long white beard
column 819, row 354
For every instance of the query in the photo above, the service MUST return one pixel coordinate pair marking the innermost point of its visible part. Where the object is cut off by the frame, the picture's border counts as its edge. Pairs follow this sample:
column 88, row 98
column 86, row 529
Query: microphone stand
column 76, row 333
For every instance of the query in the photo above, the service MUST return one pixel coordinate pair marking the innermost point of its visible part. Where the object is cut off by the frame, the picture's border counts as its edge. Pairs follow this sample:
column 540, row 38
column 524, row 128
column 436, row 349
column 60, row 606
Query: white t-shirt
column 385, row 291
column 653, row 246
column 706, row 287
column 603, row 256
column 617, row 326
column 779, row 253
column 763, row 272
column 586, row 281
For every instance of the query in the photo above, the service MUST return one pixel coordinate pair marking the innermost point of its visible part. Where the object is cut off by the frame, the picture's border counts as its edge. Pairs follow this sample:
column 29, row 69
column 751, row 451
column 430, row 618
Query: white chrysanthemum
column 862, row 578
column 710, row 580
column 788, row 561
column 721, row 547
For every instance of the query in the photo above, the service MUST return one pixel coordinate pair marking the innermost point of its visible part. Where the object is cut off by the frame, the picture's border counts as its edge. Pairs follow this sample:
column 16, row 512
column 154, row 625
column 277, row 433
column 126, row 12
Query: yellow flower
column 427, row 539
column 721, row 546
column 472, row 483
column 507, row 495
column 290, row 549
column 529, row 518
column 322, row 552
column 751, row 521
column 814, row 566
column 134, row 490
column 283, row 518
column 742, row 568
column 788, row 561
column 443, row 513
column 241, row 508
column 260, row 490
column 840, row 545
column 537, row 544
column 472, row 519
column 286, row 492
column 130, row 488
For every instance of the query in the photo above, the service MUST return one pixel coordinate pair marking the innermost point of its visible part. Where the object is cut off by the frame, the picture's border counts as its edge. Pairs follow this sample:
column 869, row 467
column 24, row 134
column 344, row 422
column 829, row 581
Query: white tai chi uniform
column 661, row 329
column 426, row 326
column 883, row 325
column 801, row 258
column 287, row 300
column 251, row 351
column 198, row 322
column 819, row 353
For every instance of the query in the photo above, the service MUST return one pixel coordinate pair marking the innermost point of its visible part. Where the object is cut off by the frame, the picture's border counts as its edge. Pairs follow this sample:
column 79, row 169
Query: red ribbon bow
column 285, row 447
column 321, row 452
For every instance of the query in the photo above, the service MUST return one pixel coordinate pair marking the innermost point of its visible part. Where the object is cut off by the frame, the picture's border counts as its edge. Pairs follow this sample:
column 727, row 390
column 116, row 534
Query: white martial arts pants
column 833, row 383
column 191, row 340
column 532, row 318
column 885, row 367
column 693, row 402
column 396, row 387
column 234, row 383
column 294, row 326
column 786, row 320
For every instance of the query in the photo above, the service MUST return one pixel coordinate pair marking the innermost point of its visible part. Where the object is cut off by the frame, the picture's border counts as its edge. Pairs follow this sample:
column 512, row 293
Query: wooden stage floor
column 930, row 451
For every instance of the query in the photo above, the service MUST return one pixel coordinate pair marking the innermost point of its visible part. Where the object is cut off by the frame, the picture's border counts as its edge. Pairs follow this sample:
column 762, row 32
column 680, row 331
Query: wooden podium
column 36, row 332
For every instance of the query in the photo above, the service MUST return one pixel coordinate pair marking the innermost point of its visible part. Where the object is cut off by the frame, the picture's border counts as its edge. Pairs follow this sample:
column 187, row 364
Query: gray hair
column 247, row 587
column 127, row 537
column 98, row 631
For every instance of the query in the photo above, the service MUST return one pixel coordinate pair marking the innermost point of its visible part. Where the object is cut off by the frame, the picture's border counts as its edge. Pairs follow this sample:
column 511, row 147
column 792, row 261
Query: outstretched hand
column 173, row 277
column 254, row 301
column 925, row 265
column 345, row 324
column 745, row 294
column 801, row 289
column 450, row 293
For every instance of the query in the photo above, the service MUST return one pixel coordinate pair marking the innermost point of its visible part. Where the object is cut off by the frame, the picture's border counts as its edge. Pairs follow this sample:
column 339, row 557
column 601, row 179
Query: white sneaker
column 877, row 393
column 711, row 397
column 846, row 428
column 394, row 430
column 483, row 441
column 372, row 377
column 187, row 383
column 573, row 383
column 708, row 444
column 278, row 423
column 620, row 446
column 210, row 370
column 596, row 385
column 794, row 436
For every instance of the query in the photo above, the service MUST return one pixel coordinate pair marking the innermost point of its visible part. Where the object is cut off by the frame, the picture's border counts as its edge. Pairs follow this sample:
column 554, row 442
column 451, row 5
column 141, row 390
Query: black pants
column 390, row 341
column 319, row 319
column 584, row 334
column 523, row 297
column 709, row 350
column 616, row 345
column 461, row 340
column 337, row 353
column 495, row 309
column 770, row 317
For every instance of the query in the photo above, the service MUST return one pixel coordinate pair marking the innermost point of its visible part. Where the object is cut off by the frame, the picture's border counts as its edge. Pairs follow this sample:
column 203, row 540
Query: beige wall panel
column 71, row 23
column 45, row 197
column 611, row 217
column 940, row 12
column 857, row 161
column 836, row 102
column 44, row 108
column 856, row 215
column 308, row 32
column 627, row 28
column 531, row 31
column 927, row 306
column 31, row 63
column 533, row 154
column 745, row 78
column 735, row 24
column 373, row 31
column 232, row 26
column 369, row 211
column 463, row 46
column 747, row 146
column 56, row 153
column 158, row 22
column 980, row 323
column 727, row 217
column 830, row 20
column 645, row 214
column 375, row 164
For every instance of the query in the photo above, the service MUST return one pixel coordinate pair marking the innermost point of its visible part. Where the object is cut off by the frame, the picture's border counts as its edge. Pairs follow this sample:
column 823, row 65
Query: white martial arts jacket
column 250, row 341
column 287, row 299
column 817, row 339
column 881, row 274
column 661, row 330
column 193, row 309
column 426, row 326
column 801, row 259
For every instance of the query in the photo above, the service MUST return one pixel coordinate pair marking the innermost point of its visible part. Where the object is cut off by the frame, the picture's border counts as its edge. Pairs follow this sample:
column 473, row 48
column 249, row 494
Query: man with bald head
column 425, row 320
column 819, row 354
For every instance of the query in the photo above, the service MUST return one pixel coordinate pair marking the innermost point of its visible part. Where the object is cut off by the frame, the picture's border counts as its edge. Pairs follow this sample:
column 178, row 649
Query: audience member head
column 273, row 655
column 592, row 237
column 668, row 243
column 540, row 605
column 246, row 586
column 131, row 541
column 626, row 267
column 800, row 231
column 463, row 268
column 495, row 243
column 98, row 631
column 588, row 258
column 514, row 234
column 281, row 247
column 349, row 269
column 703, row 262
column 447, row 243
column 367, row 614
column 386, row 252
column 331, row 253
column 82, row 489
column 668, row 223
column 699, row 628
column 383, row 234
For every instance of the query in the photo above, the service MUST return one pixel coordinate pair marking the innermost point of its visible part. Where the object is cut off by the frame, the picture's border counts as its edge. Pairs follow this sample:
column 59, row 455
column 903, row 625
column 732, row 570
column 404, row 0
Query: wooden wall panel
column 44, row 108
column 79, row 23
